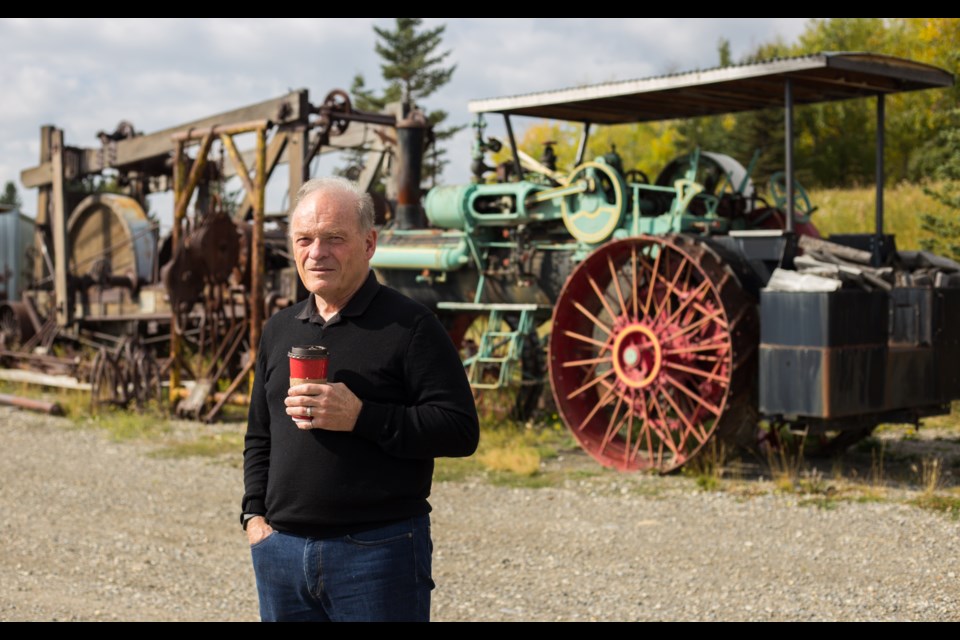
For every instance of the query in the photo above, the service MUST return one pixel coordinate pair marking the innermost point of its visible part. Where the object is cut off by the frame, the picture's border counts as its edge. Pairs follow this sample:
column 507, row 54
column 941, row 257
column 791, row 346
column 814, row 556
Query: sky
column 86, row 75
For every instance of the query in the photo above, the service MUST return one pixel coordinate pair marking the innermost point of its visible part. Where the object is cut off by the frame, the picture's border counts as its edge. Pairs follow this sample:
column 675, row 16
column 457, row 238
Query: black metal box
column 823, row 354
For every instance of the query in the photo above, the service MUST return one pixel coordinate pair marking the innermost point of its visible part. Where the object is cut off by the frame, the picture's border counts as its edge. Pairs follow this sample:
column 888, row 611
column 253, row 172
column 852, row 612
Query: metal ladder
column 499, row 351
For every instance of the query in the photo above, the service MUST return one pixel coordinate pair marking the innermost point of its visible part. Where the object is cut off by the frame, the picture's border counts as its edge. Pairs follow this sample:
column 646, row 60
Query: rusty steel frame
column 288, row 129
column 254, row 193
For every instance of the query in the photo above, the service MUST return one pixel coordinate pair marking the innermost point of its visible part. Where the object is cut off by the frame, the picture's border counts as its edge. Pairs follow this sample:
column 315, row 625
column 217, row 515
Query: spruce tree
column 413, row 68
column 10, row 195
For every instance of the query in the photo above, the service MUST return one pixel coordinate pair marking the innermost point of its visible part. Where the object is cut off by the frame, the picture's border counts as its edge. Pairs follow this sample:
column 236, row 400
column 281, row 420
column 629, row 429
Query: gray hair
column 337, row 184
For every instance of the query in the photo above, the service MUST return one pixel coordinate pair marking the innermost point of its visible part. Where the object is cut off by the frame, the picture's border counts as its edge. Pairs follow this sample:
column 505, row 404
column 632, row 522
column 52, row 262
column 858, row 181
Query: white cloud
column 85, row 75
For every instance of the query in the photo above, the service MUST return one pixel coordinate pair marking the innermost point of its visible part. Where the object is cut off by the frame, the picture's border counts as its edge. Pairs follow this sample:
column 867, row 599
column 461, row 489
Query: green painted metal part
column 466, row 207
column 499, row 350
column 425, row 249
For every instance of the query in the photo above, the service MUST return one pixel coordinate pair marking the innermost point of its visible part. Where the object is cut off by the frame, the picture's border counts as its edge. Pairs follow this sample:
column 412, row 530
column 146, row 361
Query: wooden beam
column 291, row 108
column 58, row 227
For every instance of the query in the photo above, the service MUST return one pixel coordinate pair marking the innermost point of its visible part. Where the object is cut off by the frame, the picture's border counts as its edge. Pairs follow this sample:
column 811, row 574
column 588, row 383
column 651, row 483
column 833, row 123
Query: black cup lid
column 308, row 352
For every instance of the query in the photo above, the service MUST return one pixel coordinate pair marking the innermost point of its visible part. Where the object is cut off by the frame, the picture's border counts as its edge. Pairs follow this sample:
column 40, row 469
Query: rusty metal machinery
column 676, row 313
column 135, row 317
column 666, row 313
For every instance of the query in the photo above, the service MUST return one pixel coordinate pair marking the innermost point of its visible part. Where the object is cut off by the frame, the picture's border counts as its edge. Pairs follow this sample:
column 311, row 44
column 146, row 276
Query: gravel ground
column 99, row 530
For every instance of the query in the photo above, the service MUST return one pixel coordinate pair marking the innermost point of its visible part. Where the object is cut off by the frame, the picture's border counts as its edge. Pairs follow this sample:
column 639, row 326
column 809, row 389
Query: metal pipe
column 386, row 120
column 513, row 147
column 788, row 160
column 582, row 148
column 879, row 179
column 411, row 132
column 51, row 408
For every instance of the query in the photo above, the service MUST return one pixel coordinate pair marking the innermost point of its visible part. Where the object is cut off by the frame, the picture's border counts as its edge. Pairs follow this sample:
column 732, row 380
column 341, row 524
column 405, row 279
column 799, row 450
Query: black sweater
column 395, row 356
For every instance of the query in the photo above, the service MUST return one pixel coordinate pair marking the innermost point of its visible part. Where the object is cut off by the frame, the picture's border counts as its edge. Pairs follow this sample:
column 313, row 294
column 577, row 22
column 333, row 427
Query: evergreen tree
column 413, row 69
column 941, row 233
column 10, row 195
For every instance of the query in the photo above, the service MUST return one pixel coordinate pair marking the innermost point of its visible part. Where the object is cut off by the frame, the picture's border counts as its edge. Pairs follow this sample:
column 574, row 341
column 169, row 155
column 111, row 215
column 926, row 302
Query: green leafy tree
column 10, row 195
column 940, row 232
column 835, row 141
column 414, row 68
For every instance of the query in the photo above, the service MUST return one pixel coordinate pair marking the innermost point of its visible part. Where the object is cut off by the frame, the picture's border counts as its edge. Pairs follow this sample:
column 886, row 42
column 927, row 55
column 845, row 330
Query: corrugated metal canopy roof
column 816, row 78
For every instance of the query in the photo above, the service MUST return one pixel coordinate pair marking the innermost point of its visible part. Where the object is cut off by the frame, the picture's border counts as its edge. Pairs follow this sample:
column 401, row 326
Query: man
column 335, row 507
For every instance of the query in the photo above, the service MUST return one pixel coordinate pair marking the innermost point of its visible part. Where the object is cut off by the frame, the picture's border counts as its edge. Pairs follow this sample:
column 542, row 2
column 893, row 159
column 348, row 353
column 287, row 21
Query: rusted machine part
column 411, row 132
column 41, row 362
column 51, row 408
column 132, row 376
column 337, row 103
column 112, row 241
column 106, row 388
column 15, row 325
column 217, row 244
column 653, row 353
column 241, row 272
column 209, row 254
column 142, row 376
column 182, row 278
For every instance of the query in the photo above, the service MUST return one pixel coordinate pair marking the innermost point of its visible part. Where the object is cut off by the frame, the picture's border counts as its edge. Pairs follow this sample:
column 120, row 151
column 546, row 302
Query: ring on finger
column 309, row 412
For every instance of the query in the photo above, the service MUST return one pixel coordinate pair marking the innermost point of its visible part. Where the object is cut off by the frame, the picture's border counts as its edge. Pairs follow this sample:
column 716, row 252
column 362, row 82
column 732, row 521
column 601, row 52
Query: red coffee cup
column 308, row 365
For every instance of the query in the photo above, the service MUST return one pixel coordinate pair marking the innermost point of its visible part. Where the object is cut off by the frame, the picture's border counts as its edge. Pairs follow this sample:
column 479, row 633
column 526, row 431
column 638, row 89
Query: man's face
column 331, row 251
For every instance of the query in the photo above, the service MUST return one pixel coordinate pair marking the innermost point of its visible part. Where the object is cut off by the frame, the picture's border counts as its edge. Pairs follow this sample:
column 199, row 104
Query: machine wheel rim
column 642, row 375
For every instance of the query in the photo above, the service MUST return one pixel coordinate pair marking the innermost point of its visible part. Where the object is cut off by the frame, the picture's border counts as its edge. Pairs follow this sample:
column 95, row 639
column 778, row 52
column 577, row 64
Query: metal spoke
column 683, row 418
column 697, row 372
column 630, row 414
column 703, row 346
column 616, row 284
column 645, row 428
column 672, row 290
column 701, row 401
column 592, row 318
column 603, row 298
column 664, row 434
column 693, row 327
column 651, row 282
column 582, row 363
column 692, row 296
column 608, row 436
column 600, row 403
column 576, row 336
column 580, row 390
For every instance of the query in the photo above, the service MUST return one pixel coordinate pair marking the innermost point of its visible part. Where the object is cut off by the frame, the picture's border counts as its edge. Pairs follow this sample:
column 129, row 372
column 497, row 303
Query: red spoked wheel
column 653, row 352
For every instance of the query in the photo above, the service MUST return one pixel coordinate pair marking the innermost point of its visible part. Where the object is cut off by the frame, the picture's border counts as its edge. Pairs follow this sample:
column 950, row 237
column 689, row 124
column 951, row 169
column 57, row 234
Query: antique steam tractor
column 672, row 313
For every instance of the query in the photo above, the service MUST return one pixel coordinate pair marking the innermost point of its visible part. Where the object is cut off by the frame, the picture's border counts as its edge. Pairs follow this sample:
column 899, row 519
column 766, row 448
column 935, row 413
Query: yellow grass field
column 853, row 211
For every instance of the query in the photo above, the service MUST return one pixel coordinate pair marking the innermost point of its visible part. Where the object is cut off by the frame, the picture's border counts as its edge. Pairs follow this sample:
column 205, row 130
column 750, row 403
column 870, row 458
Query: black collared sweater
column 395, row 356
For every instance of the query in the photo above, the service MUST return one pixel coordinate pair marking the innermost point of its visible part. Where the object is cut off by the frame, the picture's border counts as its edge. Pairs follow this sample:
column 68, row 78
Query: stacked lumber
column 829, row 266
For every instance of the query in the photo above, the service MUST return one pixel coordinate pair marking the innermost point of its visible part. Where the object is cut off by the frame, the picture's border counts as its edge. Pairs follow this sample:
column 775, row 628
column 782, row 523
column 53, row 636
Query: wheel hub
column 637, row 356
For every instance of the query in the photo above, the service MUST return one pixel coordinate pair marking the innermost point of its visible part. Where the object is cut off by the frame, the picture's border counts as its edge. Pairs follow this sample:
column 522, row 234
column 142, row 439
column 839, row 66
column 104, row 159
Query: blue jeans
column 379, row 575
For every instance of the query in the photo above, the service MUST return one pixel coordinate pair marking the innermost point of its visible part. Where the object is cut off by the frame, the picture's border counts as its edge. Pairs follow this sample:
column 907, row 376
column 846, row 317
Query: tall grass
column 854, row 211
